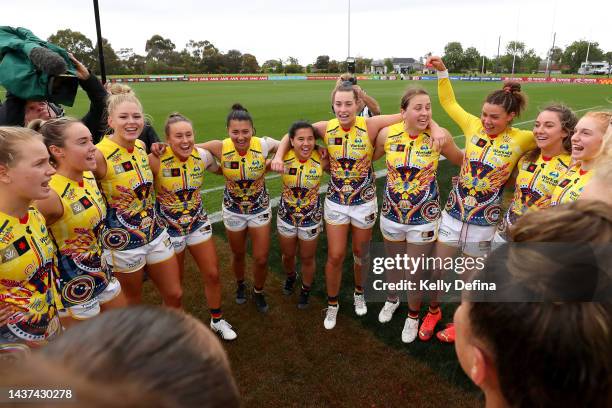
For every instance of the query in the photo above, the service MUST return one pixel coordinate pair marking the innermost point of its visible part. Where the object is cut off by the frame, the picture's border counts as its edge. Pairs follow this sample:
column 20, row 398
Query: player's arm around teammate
column 300, row 212
column 539, row 170
column 411, row 205
column 75, row 212
column 134, row 235
column 179, row 177
column 492, row 150
column 27, row 254
column 350, row 204
column 246, row 203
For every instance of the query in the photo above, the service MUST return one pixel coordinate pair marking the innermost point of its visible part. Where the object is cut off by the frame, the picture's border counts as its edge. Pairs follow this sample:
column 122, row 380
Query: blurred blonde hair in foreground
column 140, row 356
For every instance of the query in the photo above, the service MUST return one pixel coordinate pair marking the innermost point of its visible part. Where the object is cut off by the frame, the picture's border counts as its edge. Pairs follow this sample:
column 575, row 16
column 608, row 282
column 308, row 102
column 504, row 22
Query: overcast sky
column 272, row 29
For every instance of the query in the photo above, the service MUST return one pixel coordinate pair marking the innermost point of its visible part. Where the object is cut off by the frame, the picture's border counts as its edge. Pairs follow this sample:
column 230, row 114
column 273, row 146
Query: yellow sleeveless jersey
column 570, row 185
column 177, row 185
column 487, row 164
column 128, row 187
column 350, row 162
column 82, row 275
column 245, row 188
column 411, row 194
column 300, row 204
column 535, row 183
column 27, row 278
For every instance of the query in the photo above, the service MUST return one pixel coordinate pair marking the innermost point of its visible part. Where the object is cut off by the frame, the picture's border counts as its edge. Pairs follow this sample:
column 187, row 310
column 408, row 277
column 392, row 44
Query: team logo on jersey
column 8, row 254
column 292, row 171
column 564, row 183
column 174, row 172
column 123, row 167
column 398, row 147
column 481, row 142
column 531, row 168
column 15, row 250
column 79, row 289
column 21, row 246
column 81, row 205
column 233, row 165
column 335, row 141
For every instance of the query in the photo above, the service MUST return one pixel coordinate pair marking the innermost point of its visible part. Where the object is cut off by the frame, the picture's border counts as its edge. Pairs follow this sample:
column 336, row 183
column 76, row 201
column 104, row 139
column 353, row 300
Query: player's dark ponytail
column 239, row 112
column 510, row 97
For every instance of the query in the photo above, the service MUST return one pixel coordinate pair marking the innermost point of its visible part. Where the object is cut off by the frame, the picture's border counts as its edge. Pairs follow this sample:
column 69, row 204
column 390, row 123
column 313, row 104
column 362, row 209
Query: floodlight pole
column 349, row 30
column 99, row 34
column 587, row 54
column 549, row 60
column 498, row 45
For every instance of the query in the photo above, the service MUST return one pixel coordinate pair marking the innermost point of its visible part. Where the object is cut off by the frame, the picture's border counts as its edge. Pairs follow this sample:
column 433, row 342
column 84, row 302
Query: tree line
column 163, row 57
column 567, row 60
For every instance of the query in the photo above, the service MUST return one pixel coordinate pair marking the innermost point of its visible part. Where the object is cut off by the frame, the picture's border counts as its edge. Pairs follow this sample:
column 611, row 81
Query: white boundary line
column 217, row 217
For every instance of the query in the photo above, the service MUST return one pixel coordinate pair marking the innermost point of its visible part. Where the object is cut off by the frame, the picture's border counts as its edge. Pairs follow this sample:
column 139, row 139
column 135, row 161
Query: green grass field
column 287, row 358
column 276, row 104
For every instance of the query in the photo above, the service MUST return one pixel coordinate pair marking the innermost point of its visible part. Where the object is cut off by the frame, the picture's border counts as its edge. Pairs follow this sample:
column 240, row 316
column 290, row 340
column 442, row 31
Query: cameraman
column 368, row 106
column 19, row 112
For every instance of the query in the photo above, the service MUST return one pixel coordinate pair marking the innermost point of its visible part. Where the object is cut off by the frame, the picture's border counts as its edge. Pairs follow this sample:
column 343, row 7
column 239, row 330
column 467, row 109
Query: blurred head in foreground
column 549, row 353
column 148, row 351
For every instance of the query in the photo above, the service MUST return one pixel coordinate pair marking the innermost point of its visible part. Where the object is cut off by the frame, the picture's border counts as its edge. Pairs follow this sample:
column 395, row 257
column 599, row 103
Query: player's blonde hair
column 12, row 139
column 120, row 93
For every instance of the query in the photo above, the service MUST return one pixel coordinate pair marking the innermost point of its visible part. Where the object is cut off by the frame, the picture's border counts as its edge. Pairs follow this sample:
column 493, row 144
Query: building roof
column 404, row 60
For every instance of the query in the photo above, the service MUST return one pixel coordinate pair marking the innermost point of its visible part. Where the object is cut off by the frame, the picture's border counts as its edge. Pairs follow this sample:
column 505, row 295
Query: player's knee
column 173, row 296
column 336, row 258
column 261, row 261
column 307, row 261
column 212, row 276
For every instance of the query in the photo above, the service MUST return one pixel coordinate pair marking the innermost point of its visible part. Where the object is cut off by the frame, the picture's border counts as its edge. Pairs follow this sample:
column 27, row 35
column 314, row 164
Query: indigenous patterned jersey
column 128, row 187
column 535, row 183
column 570, row 185
column 27, row 277
column 82, row 275
column 177, row 185
column 245, row 188
column 300, row 204
column 411, row 194
column 487, row 164
column 350, row 162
